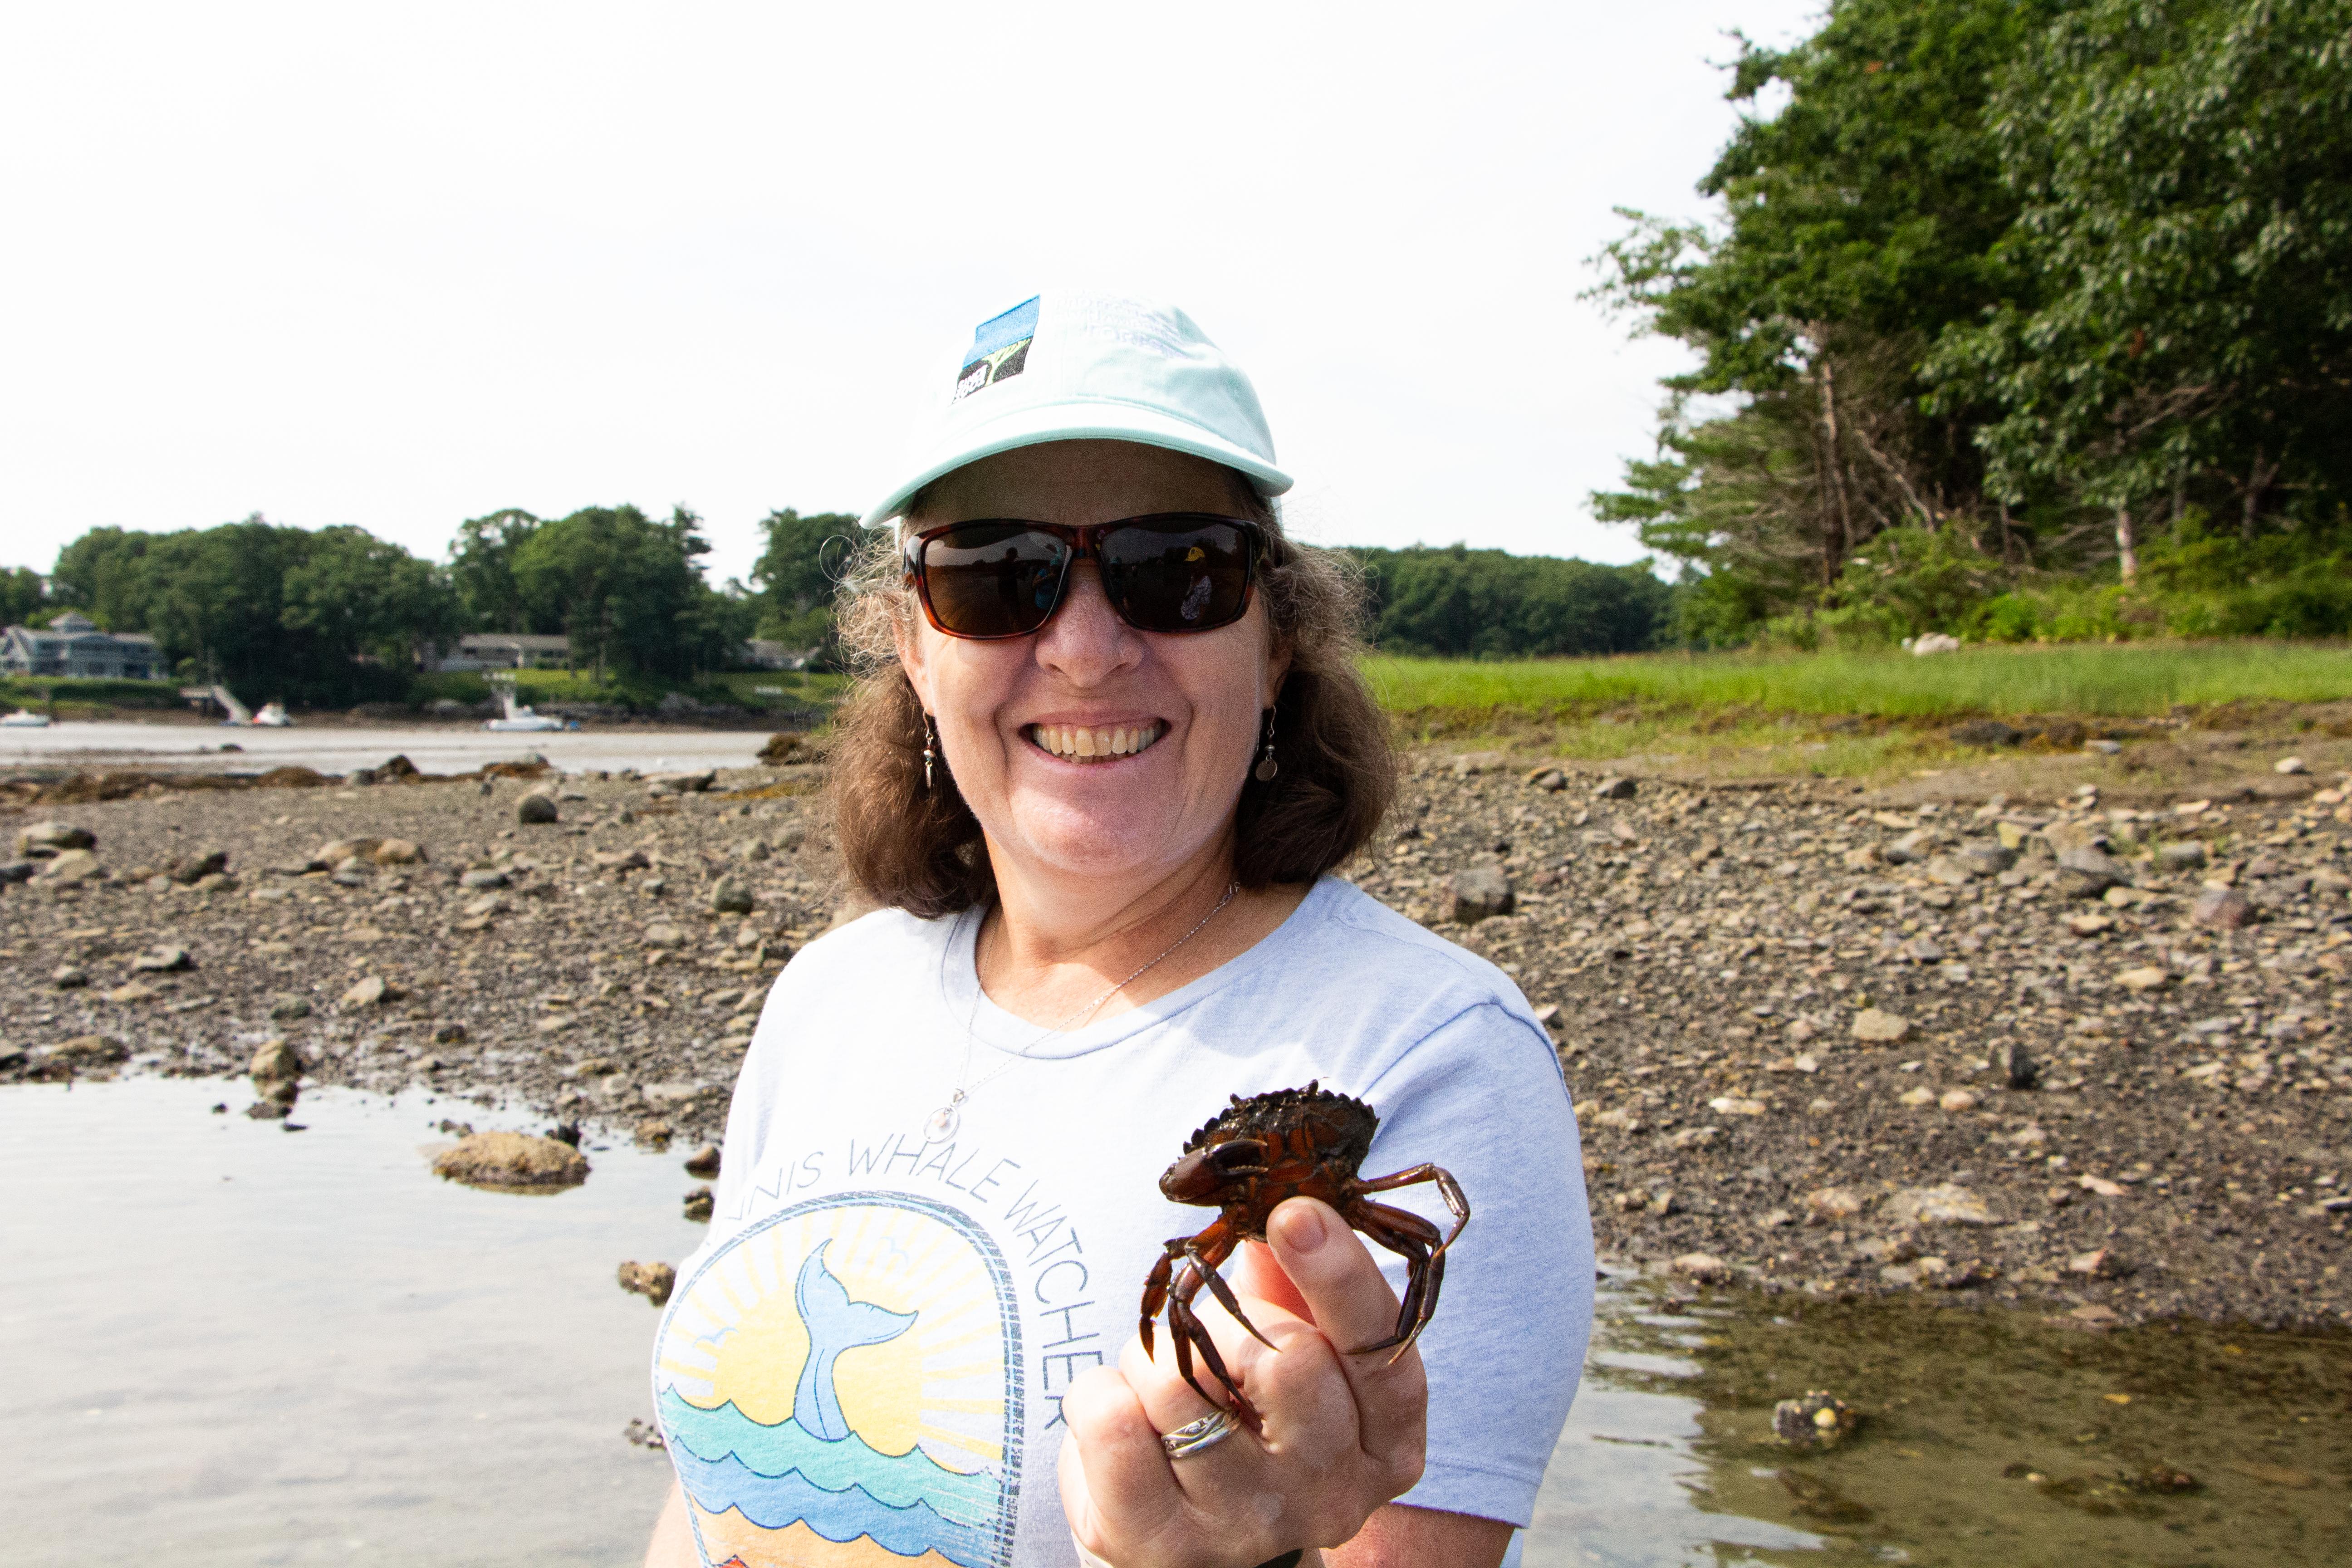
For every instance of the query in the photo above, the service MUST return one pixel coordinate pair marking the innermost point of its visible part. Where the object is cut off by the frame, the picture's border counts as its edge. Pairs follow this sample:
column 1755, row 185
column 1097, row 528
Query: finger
column 1353, row 1306
column 1116, row 1485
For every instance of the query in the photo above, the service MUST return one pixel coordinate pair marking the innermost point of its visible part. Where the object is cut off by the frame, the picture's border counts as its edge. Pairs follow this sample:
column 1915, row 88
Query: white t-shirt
column 873, row 1341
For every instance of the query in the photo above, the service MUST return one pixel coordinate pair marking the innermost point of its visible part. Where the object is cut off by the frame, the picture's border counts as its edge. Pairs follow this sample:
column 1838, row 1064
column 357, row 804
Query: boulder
column 2087, row 872
column 653, row 1281
column 89, row 1051
column 332, row 855
column 511, row 1161
column 1879, row 1026
column 190, row 869
column 535, row 810
column 1614, row 788
column 367, row 993
column 43, row 840
column 398, row 852
column 285, row 1009
column 2225, row 908
column 729, row 897
column 703, row 1162
column 275, row 1062
column 69, row 866
column 1480, row 891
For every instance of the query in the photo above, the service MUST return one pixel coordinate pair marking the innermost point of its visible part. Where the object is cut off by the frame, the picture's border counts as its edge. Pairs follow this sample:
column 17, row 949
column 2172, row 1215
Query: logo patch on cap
column 1000, row 348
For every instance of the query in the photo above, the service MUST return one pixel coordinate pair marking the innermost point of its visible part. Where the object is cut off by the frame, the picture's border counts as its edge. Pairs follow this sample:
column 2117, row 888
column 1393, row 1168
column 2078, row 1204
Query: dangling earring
column 930, row 749
column 1266, row 766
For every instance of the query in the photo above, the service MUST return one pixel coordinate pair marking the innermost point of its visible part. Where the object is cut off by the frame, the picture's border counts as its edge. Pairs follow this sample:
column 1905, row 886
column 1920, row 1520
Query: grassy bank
column 744, row 689
column 2124, row 680
column 78, row 696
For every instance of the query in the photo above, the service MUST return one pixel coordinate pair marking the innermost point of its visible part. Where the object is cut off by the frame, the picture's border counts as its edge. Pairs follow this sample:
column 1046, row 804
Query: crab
column 1290, row 1143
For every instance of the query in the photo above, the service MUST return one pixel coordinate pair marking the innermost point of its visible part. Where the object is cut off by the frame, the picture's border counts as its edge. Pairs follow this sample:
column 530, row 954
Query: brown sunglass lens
column 1177, row 578
column 992, row 579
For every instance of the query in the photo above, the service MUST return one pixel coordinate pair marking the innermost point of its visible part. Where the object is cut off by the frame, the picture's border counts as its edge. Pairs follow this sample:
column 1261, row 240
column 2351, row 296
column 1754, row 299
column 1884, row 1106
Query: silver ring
column 1199, row 1436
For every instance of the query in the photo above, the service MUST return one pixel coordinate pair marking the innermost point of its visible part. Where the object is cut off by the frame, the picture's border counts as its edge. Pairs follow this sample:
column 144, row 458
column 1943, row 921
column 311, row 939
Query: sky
column 400, row 266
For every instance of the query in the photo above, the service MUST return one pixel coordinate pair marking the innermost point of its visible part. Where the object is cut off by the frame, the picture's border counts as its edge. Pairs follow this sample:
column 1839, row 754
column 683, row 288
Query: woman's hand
column 1344, row 1433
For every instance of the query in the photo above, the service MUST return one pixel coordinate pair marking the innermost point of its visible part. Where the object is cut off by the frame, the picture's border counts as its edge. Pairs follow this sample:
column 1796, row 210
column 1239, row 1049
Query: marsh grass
column 2111, row 682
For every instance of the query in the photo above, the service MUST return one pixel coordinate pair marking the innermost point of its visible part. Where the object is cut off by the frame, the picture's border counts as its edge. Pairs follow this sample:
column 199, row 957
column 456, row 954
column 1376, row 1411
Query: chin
column 1103, row 837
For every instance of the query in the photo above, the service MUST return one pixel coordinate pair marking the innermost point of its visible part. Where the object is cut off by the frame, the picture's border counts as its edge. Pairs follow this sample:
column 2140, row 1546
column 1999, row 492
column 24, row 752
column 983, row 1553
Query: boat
column 272, row 717
column 24, row 719
column 521, row 720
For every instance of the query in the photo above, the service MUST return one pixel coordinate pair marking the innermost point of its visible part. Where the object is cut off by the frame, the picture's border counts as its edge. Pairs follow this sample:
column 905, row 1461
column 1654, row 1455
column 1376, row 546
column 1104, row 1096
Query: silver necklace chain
column 942, row 1123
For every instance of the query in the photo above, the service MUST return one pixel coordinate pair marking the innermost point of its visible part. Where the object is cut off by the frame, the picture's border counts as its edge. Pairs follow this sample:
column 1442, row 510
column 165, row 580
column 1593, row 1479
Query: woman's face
column 1091, row 748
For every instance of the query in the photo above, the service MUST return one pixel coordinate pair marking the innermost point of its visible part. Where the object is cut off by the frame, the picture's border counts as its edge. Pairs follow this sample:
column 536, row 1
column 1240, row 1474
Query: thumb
column 1353, row 1306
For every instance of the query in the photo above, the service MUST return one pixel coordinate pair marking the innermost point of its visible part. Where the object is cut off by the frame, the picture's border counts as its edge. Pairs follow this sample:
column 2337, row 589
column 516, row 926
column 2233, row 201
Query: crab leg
column 1411, row 1237
column 1188, row 1331
column 1447, row 1188
column 1202, row 1269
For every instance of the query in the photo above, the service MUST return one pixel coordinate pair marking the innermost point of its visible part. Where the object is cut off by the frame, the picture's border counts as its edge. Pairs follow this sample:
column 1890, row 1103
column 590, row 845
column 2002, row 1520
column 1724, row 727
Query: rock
column 703, row 1162
column 1613, row 788
column 1731, row 1105
column 368, row 992
column 780, row 748
column 1928, row 643
column 729, row 897
column 1547, row 778
column 653, row 1132
column 275, row 1062
column 532, row 810
column 2104, row 748
column 1880, row 1027
column 68, row 978
column 89, row 1051
column 698, row 1204
column 1951, row 870
column 1697, row 1138
column 398, row 852
column 481, row 877
column 481, row 909
column 2148, row 977
column 513, row 1160
column 1986, row 733
column 1943, row 1204
column 334, row 853
column 2100, row 1186
column 2017, row 1065
column 285, row 1009
column 15, row 872
column 1987, row 859
column 69, row 866
column 1481, row 891
column 2090, row 924
column 454, row 1033
column 682, row 784
column 620, row 860
column 666, row 936
column 43, row 840
column 1703, row 1266
column 2085, row 872
column 653, row 1281
column 2185, row 855
column 189, row 870
column 1833, row 1203
column 1922, row 1095
column 1818, row 1420
column 1469, row 762
column 2225, row 908
column 2289, row 765
column 133, row 992
column 2102, row 1264
column 162, row 961
column 1956, row 1100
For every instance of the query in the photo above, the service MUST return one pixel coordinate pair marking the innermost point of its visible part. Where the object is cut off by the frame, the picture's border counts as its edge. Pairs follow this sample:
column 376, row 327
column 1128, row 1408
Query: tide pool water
column 227, row 1344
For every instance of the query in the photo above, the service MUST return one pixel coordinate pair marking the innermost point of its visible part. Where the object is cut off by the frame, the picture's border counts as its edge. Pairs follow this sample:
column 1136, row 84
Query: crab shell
column 1271, row 1116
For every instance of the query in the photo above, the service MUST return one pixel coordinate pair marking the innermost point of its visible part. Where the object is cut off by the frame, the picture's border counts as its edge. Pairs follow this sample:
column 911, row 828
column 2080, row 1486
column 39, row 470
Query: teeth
column 1077, row 743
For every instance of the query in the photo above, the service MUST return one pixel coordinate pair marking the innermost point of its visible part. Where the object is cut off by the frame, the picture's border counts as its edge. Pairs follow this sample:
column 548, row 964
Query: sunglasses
column 1170, row 572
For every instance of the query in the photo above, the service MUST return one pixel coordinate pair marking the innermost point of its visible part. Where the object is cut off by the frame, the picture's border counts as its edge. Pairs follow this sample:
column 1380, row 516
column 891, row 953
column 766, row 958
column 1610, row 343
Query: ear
column 909, row 641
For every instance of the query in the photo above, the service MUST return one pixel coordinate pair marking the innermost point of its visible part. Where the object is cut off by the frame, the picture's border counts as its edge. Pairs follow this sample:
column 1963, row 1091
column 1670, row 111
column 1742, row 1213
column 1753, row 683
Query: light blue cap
column 1070, row 365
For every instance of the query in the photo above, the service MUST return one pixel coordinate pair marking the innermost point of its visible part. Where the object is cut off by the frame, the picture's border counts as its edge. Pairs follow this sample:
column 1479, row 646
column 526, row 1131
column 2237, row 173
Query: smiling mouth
column 1081, row 743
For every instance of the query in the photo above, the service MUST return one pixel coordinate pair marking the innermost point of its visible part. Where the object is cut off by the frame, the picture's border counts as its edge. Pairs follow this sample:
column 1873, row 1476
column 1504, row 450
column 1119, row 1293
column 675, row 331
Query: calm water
column 228, row 1343
column 434, row 747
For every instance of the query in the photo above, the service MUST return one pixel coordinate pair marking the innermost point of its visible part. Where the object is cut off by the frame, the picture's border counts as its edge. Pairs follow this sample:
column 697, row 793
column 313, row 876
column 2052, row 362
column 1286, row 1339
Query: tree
column 626, row 590
column 1485, row 603
column 2184, row 174
column 101, row 572
column 481, row 571
column 798, row 571
column 22, row 595
column 359, row 598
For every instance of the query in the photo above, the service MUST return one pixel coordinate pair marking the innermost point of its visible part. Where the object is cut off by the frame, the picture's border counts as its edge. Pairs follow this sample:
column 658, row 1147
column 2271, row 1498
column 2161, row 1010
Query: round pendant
column 1265, row 770
column 943, row 1125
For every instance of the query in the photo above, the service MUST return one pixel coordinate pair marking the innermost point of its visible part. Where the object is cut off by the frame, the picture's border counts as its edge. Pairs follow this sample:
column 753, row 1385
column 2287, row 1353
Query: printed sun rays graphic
column 839, row 1385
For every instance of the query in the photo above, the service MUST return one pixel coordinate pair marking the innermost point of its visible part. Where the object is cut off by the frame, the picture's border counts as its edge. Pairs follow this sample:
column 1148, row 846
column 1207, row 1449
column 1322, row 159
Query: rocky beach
column 2062, row 1031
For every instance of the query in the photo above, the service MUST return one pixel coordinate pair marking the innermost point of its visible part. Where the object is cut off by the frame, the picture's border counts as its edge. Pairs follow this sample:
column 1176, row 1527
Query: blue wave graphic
column 772, row 1502
column 783, row 1474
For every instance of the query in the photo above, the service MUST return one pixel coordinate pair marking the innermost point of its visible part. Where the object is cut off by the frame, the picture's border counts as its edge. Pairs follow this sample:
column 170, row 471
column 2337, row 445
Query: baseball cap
column 1075, row 366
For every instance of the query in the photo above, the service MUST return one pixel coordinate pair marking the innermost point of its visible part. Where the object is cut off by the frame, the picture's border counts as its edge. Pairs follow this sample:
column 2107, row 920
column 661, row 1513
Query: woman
column 1109, row 743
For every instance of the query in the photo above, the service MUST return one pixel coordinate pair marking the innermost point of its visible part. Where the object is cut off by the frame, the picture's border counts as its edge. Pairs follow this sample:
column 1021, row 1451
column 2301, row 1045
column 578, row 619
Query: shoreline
column 1708, row 951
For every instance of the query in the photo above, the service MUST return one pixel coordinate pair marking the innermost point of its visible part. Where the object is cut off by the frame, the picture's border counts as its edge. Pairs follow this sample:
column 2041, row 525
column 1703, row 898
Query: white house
column 72, row 646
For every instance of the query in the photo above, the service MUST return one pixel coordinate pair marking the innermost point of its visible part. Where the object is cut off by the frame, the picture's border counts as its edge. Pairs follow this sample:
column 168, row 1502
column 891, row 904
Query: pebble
column 1816, row 1420
column 703, row 1162
column 729, row 897
column 68, row 978
column 52, row 837
column 275, row 1062
column 2225, row 908
column 1703, row 1266
column 1879, row 1026
column 163, row 961
column 1481, row 893
column 698, row 1204
column 1945, row 1204
column 535, row 810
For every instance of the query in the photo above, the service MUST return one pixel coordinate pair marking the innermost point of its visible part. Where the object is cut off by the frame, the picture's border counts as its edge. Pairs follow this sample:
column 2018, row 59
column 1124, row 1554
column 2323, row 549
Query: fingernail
column 1304, row 1229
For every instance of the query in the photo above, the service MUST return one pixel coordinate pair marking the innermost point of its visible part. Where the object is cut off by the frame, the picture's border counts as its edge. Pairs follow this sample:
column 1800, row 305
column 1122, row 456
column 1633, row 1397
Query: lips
column 1095, row 743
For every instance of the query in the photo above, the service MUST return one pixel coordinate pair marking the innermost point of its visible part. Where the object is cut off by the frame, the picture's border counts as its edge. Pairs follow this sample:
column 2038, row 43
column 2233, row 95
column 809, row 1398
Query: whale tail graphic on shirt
column 834, row 1324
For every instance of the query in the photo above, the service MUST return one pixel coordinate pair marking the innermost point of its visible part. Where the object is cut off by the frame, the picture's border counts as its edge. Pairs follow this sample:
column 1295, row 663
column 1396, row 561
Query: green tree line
column 2012, row 318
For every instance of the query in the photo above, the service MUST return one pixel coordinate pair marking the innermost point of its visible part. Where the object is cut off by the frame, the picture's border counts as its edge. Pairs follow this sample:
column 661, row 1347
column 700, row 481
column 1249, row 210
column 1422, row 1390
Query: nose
column 1086, row 643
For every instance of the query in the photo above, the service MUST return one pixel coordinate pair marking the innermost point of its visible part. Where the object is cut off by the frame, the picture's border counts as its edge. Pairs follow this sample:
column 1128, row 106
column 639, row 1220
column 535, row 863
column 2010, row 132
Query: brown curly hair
column 920, row 849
